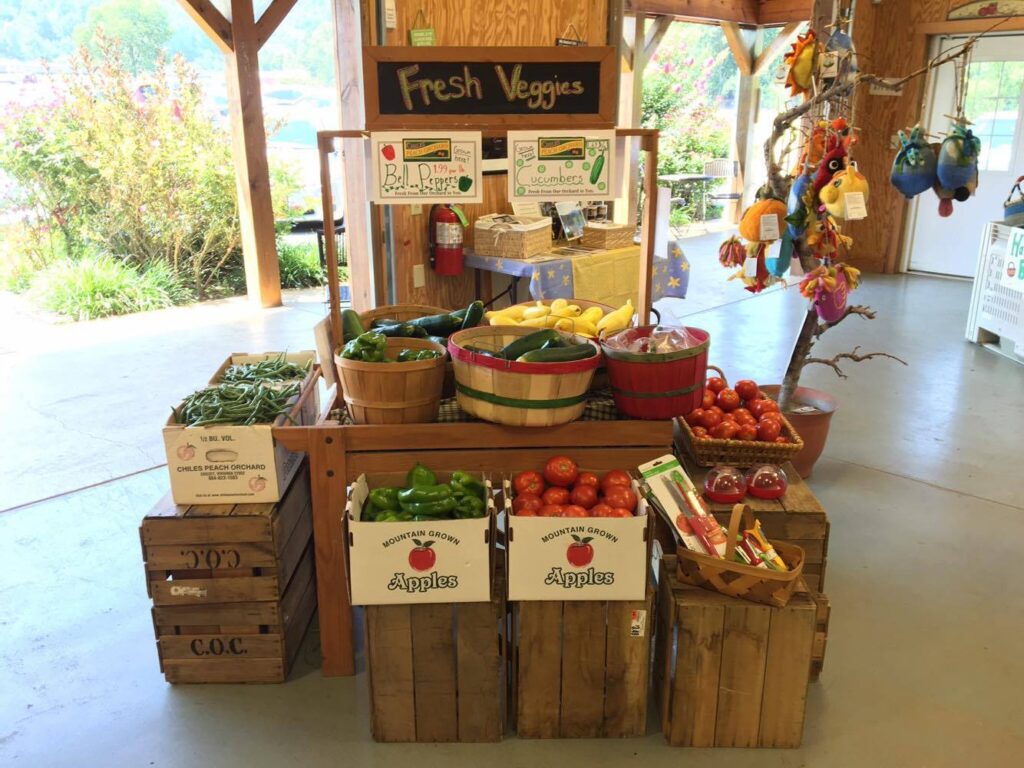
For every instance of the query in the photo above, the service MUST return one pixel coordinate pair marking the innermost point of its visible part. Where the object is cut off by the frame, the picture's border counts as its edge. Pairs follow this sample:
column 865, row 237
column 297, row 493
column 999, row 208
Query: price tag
column 638, row 624
column 769, row 227
column 828, row 64
column 856, row 208
column 750, row 267
column 390, row 16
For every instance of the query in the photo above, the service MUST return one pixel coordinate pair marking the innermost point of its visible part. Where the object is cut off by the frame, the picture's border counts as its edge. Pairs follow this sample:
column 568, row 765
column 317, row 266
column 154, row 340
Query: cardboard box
column 303, row 358
column 226, row 464
column 585, row 558
column 389, row 563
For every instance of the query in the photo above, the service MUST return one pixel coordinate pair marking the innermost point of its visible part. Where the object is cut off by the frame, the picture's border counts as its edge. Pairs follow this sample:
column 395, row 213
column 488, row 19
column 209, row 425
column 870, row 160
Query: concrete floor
column 921, row 481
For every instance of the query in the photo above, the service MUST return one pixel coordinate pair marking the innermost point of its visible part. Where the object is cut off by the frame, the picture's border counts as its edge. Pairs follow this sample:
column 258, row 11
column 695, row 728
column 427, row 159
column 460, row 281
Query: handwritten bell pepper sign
column 552, row 166
column 1012, row 272
column 417, row 167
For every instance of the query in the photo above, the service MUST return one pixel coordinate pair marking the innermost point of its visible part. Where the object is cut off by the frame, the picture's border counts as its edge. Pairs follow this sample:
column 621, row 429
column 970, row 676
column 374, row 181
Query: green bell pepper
column 385, row 498
column 432, row 509
column 421, row 493
column 420, row 475
column 470, row 507
column 390, row 516
column 369, row 512
column 467, row 484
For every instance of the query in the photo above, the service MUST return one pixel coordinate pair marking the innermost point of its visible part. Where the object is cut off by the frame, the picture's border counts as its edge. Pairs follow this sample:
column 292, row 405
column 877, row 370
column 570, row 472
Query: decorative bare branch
column 854, row 309
column 833, row 363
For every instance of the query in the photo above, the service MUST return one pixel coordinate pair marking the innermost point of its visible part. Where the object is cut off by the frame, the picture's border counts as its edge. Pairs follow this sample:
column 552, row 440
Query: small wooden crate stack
column 581, row 668
column 232, row 585
column 797, row 517
column 437, row 671
column 728, row 672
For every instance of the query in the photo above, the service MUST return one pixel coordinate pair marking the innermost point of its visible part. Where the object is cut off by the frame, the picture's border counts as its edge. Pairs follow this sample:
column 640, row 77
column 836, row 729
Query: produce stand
column 338, row 454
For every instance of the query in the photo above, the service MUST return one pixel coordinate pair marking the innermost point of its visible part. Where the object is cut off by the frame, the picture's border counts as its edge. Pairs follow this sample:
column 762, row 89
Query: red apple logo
column 988, row 10
column 580, row 553
column 258, row 484
column 186, row 452
column 422, row 558
column 1011, row 270
column 388, row 151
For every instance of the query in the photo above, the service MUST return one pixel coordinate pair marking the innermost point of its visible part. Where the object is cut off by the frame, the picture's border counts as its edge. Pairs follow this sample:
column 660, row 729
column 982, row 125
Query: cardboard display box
column 588, row 558
column 225, row 464
column 441, row 561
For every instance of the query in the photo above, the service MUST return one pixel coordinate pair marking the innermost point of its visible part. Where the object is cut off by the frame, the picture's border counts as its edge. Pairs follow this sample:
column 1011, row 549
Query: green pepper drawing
column 465, row 182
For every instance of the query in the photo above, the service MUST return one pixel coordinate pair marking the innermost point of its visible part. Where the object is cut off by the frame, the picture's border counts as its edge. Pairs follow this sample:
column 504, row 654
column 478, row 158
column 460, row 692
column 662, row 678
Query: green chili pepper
column 385, row 498
column 429, row 508
column 469, row 507
column 420, row 475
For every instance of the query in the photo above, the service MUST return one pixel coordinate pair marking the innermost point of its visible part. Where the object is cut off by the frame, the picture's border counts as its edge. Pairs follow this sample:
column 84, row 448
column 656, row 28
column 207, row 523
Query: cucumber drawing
column 595, row 172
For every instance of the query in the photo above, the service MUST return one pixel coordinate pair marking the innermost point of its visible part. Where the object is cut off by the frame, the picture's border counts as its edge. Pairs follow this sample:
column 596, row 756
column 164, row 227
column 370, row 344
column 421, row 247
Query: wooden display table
column 339, row 454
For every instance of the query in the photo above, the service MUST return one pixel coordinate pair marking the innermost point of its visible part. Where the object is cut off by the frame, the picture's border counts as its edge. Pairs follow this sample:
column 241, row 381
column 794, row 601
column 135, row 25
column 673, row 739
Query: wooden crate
column 728, row 672
column 437, row 671
column 232, row 585
column 581, row 669
column 797, row 517
column 824, row 612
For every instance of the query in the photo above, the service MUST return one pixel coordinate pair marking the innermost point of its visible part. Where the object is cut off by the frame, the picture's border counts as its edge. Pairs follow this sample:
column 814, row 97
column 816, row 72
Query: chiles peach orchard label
column 406, row 85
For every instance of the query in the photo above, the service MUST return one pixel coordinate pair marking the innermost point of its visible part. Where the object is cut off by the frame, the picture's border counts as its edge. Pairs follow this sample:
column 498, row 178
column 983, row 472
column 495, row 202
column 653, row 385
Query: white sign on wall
column 426, row 167
column 1012, row 272
column 559, row 165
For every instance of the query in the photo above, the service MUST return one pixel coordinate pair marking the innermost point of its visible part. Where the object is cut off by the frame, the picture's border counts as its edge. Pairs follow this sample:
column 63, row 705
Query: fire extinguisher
column 447, row 226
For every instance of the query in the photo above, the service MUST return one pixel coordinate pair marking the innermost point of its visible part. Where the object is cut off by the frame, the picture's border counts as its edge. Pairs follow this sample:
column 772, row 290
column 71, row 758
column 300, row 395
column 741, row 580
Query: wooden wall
column 893, row 40
column 473, row 22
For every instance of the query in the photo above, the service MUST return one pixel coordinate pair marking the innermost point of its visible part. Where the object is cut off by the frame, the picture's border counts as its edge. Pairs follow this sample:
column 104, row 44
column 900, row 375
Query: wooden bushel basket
column 400, row 312
column 518, row 394
column 759, row 585
column 393, row 393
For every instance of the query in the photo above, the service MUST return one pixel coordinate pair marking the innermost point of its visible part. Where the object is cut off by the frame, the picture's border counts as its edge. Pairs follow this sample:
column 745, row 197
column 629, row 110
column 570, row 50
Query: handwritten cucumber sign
column 489, row 87
column 553, row 166
column 1012, row 273
column 426, row 167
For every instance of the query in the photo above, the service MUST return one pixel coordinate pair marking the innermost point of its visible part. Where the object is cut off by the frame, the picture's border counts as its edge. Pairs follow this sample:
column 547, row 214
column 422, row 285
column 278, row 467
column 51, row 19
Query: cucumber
column 553, row 344
column 528, row 343
column 559, row 355
column 479, row 350
column 439, row 340
column 351, row 325
column 438, row 325
column 595, row 172
column 383, row 321
column 474, row 314
column 402, row 330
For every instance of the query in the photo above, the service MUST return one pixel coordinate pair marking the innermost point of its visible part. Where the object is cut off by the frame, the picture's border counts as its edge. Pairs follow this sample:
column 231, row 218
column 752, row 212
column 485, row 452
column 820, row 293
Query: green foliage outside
column 690, row 79
column 141, row 27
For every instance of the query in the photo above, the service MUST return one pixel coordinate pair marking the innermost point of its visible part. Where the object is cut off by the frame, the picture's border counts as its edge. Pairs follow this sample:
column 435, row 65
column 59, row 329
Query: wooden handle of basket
column 720, row 372
column 740, row 512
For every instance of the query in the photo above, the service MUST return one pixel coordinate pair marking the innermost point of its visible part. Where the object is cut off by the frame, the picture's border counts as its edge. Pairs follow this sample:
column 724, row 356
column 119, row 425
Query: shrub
column 300, row 265
column 100, row 286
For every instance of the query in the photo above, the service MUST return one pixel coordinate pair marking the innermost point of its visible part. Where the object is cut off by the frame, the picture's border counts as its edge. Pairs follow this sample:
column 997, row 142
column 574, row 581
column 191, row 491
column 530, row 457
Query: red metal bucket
column 658, row 385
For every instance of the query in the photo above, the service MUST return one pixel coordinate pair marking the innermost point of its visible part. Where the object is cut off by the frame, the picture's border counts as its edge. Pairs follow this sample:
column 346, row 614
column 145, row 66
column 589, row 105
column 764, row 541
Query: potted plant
column 820, row 194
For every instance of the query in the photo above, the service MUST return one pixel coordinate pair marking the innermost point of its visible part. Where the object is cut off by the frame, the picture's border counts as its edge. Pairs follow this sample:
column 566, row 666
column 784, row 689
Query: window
column 993, row 105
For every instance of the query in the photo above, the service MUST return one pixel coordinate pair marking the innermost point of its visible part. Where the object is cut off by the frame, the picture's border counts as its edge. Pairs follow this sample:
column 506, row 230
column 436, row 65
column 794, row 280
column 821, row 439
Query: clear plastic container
column 767, row 481
column 725, row 485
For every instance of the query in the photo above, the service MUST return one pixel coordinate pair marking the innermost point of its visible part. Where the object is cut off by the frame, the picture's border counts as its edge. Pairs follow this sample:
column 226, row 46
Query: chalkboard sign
column 409, row 87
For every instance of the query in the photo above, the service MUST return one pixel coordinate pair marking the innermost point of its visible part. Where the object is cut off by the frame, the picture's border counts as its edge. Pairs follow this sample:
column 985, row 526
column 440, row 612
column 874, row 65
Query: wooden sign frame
column 604, row 56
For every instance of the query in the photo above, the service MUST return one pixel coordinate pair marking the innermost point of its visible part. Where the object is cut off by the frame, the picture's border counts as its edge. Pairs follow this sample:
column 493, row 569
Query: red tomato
column 528, row 502
column 726, row 430
column 574, row 510
column 561, row 471
column 699, row 432
column 730, row 417
column 773, row 415
column 770, row 406
column 708, row 398
column 768, row 430
column 600, row 510
column 715, row 384
column 620, row 497
column 584, row 496
column 746, row 432
column 728, row 400
column 710, row 420
column 556, row 495
column 782, row 439
column 619, row 512
column 693, row 417
column 743, row 416
column 716, row 409
column 550, row 510
column 615, row 477
column 528, row 482
column 756, row 407
column 526, row 513
column 747, row 389
column 588, row 478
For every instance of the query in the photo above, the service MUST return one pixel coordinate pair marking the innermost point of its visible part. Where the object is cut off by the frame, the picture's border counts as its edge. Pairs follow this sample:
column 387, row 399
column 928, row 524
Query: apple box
column 577, row 558
column 232, row 464
column 304, row 358
column 440, row 561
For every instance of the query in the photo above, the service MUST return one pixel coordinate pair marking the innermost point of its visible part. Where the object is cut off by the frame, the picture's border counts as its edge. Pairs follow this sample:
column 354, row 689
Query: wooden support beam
column 652, row 39
column 249, row 151
column 271, row 19
column 777, row 46
column 211, row 21
column 773, row 12
column 741, row 51
column 741, row 11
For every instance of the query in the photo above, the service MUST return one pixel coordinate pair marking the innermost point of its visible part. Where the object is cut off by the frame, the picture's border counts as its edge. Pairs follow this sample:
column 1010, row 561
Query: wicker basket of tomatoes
column 737, row 425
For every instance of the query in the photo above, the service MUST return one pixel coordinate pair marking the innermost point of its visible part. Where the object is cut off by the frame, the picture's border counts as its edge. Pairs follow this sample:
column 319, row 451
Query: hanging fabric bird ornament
column 761, row 224
column 829, row 288
column 831, row 164
column 732, row 253
column 796, row 206
column 913, row 169
column 845, row 182
column 800, row 61
column 957, row 164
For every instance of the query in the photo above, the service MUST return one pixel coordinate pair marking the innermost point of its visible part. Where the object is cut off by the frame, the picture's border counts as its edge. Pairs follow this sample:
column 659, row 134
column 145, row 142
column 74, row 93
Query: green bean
column 242, row 404
column 273, row 369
